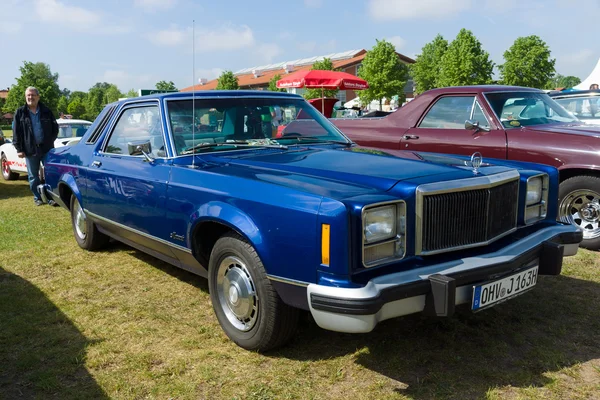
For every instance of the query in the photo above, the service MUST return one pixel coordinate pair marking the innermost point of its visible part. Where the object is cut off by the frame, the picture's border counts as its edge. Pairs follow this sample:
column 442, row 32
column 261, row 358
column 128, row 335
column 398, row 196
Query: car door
column 127, row 193
column 442, row 129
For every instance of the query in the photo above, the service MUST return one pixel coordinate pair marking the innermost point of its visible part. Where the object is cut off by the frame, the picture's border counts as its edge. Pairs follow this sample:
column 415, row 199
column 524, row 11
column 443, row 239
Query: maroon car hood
column 584, row 130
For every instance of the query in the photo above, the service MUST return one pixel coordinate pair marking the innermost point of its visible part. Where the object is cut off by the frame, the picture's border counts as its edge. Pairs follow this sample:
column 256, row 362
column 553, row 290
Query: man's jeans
column 33, row 173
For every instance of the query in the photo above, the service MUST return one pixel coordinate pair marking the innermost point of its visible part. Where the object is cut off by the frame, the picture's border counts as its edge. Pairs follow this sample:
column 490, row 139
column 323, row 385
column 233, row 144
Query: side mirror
column 138, row 148
column 474, row 125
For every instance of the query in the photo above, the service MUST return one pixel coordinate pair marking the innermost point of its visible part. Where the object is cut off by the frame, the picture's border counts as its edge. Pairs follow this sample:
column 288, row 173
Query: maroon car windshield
column 516, row 109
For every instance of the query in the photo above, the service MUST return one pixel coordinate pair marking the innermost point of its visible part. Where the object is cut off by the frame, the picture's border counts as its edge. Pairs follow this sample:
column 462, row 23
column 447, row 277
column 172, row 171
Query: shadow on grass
column 15, row 189
column 42, row 352
column 463, row 357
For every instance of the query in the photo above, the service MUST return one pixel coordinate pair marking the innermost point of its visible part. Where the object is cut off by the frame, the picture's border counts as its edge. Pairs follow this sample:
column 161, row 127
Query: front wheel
column 247, row 306
column 86, row 234
column 7, row 174
column 579, row 204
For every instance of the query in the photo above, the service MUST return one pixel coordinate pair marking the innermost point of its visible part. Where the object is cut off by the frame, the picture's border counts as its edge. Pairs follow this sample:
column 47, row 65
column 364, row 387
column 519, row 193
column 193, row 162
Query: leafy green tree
column 113, row 94
column 62, row 106
column 77, row 95
column 384, row 72
column 465, row 62
column 426, row 69
column 561, row 81
column 324, row 65
column 131, row 93
column 527, row 63
column 77, row 108
column 273, row 84
column 227, row 81
column 98, row 96
column 164, row 85
column 40, row 76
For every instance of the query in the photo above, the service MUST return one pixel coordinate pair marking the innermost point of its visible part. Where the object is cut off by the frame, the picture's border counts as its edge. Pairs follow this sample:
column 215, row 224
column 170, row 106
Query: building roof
column 255, row 77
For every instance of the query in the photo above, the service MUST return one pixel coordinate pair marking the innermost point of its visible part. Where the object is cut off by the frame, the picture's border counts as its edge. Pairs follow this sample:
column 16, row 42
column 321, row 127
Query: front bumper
column 437, row 289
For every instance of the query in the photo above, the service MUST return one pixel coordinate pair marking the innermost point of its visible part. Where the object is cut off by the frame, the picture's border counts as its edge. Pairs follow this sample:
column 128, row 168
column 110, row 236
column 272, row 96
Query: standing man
column 34, row 132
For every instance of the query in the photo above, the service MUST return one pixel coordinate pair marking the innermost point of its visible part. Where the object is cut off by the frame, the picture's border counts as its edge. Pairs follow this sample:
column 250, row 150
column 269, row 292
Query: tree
column 112, row 94
column 324, row 65
column 426, row 69
column 76, row 108
column 62, row 106
column 77, row 95
column 100, row 95
column 40, row 76
column 227, row 81
column 131, row 93
column 164, row 85
column 560, row 81
column 465, row 62
column 384, row 72
column 527, row 63
column 273, row 84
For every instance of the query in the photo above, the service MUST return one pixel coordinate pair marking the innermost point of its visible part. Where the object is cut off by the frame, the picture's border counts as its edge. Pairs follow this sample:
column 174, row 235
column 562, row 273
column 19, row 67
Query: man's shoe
column 52, row 203
column 38, row 202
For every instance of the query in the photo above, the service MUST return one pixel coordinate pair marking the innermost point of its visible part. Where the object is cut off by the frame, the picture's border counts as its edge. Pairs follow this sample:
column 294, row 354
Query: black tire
column 86, row 234
column 247, row 306
column 7, row 174
column 579, row 204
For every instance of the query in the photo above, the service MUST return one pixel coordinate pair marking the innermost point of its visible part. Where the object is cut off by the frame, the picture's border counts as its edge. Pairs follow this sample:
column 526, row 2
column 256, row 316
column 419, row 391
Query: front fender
column 234, row 218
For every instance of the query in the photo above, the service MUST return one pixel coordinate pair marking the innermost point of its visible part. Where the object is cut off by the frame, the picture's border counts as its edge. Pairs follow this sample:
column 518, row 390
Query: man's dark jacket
column 23, row 137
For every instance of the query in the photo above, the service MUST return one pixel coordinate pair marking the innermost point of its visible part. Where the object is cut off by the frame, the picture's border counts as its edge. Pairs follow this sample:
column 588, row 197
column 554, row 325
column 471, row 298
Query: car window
column 587, row 107
column 134, row 125
column 210, row 124
column 72, row 130
column 479, row 116
column 515, row 109
column 449, row 112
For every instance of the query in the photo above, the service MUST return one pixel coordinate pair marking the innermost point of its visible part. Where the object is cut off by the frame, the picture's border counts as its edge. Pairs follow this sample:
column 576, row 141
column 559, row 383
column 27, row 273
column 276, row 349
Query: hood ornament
column 476, row 161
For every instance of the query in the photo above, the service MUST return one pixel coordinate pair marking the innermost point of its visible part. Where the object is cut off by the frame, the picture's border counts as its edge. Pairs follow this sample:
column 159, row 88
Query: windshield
column 226, row 124
column 583, row 107
column 72, row 130
column 515, row 109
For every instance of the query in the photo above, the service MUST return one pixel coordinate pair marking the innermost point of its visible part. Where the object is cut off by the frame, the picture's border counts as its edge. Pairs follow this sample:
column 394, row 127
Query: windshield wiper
column 231, row 143
column 316, row 140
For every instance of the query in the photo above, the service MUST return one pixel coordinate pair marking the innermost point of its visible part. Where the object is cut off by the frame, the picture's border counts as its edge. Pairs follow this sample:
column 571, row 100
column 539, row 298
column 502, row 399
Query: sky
column 136, row 43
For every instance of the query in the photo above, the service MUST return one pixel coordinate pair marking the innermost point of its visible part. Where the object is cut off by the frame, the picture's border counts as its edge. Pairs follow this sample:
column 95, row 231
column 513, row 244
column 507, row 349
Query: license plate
column 490, row 293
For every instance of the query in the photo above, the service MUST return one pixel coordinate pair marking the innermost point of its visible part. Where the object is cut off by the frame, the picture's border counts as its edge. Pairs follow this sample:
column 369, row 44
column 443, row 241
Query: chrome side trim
column 288, row 281
column 108, row 221
column 460, row 185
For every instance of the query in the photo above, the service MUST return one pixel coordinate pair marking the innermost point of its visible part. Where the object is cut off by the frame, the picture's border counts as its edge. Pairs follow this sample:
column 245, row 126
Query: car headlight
column 536, row 199
column 383, row 232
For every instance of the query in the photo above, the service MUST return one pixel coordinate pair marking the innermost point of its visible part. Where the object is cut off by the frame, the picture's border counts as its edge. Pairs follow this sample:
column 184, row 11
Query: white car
column 70, row 132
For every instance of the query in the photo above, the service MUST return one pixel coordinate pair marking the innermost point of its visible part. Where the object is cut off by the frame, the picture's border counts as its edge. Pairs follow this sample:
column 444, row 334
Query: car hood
column 343, row 173
column 571, row 129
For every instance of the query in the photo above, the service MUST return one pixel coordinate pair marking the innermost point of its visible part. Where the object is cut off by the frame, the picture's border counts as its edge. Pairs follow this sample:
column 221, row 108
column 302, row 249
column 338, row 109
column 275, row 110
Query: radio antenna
column 193, row 91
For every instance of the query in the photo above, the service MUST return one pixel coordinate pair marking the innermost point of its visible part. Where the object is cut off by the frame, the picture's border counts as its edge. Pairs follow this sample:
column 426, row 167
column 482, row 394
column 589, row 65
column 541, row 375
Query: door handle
column 96, row 164
column 408, row 137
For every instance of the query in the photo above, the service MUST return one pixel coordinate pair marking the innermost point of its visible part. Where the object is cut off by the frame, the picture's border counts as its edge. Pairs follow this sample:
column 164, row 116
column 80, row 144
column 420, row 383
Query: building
column 257, row 78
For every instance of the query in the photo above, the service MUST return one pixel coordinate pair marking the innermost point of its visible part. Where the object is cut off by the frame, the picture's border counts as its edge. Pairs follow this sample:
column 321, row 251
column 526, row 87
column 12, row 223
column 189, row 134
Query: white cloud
column 397, row 41
column 169, row 37
column 76, row 18
column 8, row 27
column 268, row 51
column 226, row 38
column 125, row 80
column 410, row 9
column 313, row 3
column 581, row 57
column 154, row 5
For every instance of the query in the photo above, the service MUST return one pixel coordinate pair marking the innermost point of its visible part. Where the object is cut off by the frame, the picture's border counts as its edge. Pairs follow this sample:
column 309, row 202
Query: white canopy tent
column 594, row 77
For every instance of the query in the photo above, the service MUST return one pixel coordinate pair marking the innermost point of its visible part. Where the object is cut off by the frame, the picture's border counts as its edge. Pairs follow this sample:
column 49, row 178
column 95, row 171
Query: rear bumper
column 437, row 289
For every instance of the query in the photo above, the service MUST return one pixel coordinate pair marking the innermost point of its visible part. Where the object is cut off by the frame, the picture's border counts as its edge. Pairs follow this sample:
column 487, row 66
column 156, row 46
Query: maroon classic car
column 506, row 122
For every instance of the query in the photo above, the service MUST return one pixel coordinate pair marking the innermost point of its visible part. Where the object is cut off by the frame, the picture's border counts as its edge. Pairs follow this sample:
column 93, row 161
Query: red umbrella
column 323, row 79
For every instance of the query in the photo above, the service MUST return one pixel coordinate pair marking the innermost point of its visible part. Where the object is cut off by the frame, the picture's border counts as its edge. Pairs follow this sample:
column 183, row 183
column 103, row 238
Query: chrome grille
column 459, row 218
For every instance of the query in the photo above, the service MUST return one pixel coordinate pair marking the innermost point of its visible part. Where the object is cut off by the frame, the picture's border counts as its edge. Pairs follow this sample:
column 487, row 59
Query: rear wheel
column 86, row 234
column 7, row 174
column 247, row 306
column 579, row 204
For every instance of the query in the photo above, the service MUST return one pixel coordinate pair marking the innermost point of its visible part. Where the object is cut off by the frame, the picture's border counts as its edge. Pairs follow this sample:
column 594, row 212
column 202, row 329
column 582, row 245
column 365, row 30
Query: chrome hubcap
column 582, row 208
column 237, row 293
column 80, row 226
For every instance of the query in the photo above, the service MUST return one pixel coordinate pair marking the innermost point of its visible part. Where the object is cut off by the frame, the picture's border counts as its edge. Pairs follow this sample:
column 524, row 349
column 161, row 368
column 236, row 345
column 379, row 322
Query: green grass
column 7, row 133
column 120, row 324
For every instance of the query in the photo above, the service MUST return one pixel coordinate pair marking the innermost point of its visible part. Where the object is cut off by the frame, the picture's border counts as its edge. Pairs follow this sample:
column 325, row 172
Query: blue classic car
column 261, row 194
